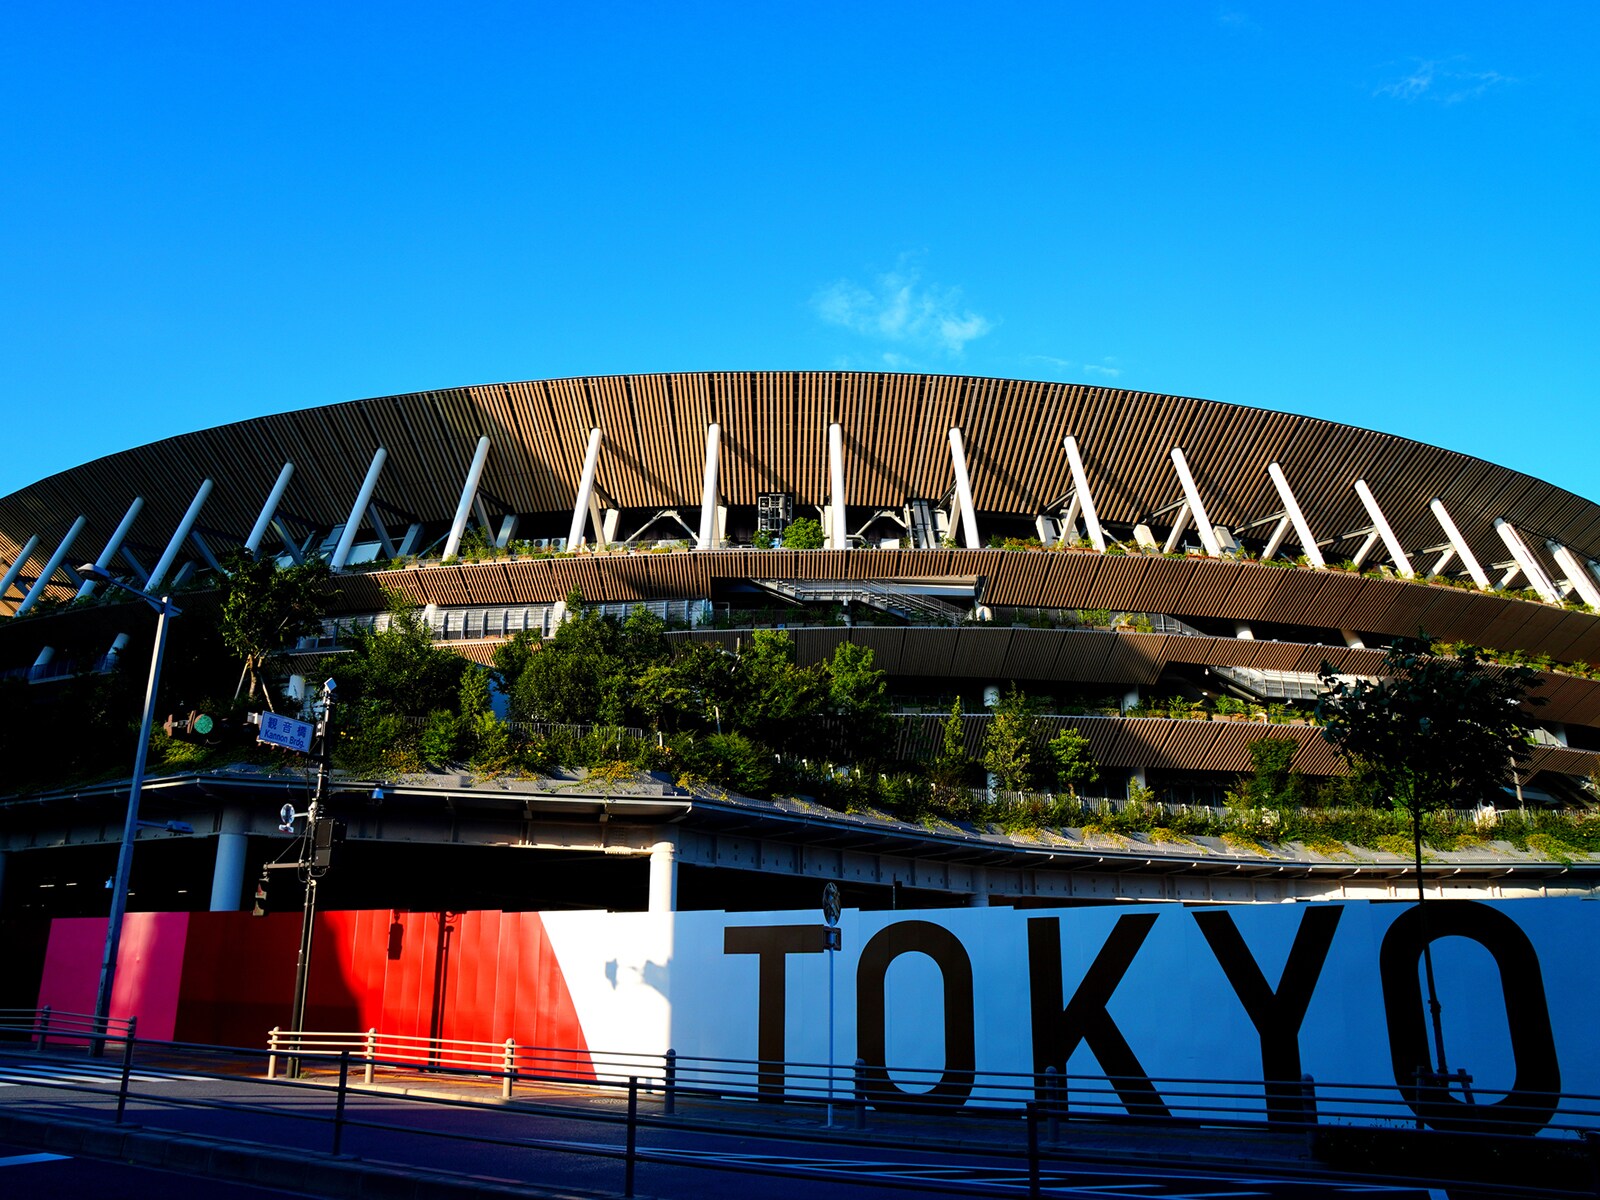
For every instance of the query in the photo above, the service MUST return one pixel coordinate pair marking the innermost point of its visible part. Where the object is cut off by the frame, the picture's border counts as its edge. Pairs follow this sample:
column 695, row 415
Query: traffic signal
column 260, row 909
column 327, row 835
column 196, row 724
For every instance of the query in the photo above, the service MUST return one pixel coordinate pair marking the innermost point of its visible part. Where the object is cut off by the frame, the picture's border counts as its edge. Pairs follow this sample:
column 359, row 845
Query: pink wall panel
column 227, row 978
column 149, row 968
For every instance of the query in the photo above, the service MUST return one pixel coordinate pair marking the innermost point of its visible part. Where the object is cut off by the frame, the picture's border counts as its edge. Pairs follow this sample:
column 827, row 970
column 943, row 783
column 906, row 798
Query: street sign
column 203, row 724
column 830, row 904
column 286, row 732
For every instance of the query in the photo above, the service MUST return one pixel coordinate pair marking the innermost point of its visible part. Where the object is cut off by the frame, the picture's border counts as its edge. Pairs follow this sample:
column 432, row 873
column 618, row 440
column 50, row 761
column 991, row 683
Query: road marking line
column 22, row 1160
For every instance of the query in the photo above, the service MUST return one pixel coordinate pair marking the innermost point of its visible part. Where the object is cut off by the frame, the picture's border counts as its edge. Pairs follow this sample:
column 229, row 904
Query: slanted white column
column 1197, row 508
column 1576, row 575
column 1381, row 524
column 227, row 878
column 469, row 493
column 1308, row 541
column 1180, row 525
column 1459, row 545
column 347, row 539
column 580, row 509
column 1538, row 578
column 1080, row 484
column 663, row 877
column 158, row 573
column 86, row 588
column 1069, row 519
column 708, row 539
column 1365, row 549
column 252, row 544
column 50, row 568
column 969, row 518
column 838, row 532
column 17, row 564
column 1443, row 561
column 1275, row 543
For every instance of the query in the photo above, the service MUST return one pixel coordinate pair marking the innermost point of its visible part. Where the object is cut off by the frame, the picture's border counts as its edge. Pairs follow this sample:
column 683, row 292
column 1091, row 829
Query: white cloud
column 1443, row 82
column 1106, row 368
column 901, row 309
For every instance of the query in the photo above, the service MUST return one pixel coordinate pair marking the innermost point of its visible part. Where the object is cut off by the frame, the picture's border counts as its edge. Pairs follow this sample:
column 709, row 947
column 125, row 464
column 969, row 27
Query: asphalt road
column 573, row 1151
column 28, row 1175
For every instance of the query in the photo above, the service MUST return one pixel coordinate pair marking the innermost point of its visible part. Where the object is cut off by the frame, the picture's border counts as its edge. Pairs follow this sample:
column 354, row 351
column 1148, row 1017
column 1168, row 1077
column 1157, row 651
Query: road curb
column 299, row 1170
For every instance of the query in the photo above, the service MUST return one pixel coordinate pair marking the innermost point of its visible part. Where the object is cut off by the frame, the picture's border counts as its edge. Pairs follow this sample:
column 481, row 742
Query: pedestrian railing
column 1022, row 1121
column 861, row 1087
column 42, row 1026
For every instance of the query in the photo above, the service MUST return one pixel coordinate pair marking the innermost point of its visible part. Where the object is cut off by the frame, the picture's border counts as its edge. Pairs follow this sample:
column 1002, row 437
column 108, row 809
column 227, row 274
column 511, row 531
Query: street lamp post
column 165, row 610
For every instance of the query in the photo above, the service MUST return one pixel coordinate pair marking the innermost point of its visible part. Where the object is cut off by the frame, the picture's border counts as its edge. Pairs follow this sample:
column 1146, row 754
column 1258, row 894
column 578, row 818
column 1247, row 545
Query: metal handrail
column 1242, row 1101
column 1057, row 1101
column 42, row 1025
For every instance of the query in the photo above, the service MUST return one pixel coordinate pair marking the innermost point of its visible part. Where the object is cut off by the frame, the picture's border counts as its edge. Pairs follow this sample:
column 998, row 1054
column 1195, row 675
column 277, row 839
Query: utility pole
column 315, row 856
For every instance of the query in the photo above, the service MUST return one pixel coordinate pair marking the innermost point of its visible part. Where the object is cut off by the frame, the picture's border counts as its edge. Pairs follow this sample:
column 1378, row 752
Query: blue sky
column 1383, row 213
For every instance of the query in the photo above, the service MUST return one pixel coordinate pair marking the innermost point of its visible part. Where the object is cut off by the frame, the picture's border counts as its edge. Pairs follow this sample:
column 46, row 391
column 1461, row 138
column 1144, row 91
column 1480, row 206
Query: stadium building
column 1102, row 548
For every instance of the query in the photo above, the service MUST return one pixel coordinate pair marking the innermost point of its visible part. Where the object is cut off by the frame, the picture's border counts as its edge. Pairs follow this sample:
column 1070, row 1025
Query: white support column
column 1069, row 519
column 1080, row 484
column 1459, row 545
column 227, row 878
column 17, row 564
column 1308, row 541
column 969, row 518
column 1365, row 549
column 663, row 894
column 1275, row 542
column 1381, row 524
column 707, row 539
column 347, row 539
column 840, row 533
column 382, row 530
column 1577, row 576
column 114, row 654
column 608, row 525
column 469, row 493
column 1443, row 561
column 580, row 509
column 1531, row 567
column 113, row 544
column 137, row 567
column 158, row 573
column 1202, row 523
column 1180, row 525
column 50, row 567
column 289, row 544
column 252, row 544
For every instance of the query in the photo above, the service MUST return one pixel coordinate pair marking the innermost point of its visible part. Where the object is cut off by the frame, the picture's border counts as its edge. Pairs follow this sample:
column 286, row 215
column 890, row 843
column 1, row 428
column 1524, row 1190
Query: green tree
column 1273, row 782
column 396, row 670
column 1074, row 763
column 950, row 767
column 774, row 700
column 266, row 607
column 804, row 533
column 1431, row 731
column 574, row 674
column 858, row 697
column 1008, row 742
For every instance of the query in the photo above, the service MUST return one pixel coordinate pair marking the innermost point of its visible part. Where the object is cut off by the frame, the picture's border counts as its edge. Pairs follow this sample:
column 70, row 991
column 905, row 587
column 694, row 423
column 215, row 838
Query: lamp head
column 94, row 571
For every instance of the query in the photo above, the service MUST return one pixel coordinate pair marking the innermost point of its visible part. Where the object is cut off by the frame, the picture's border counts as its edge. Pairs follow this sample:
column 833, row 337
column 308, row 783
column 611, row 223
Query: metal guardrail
column 1021, row 1115
column 900, row 1088
column 42, row 1026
